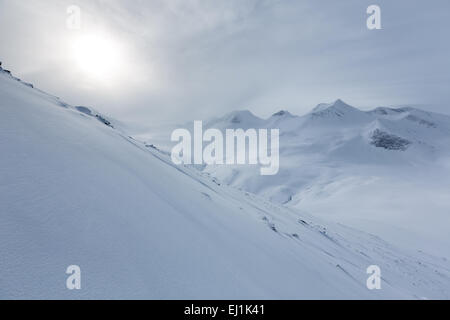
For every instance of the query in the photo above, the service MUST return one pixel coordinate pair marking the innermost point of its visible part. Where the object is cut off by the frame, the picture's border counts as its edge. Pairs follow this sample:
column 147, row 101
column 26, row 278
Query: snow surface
column 75, row 190
column 385, row 171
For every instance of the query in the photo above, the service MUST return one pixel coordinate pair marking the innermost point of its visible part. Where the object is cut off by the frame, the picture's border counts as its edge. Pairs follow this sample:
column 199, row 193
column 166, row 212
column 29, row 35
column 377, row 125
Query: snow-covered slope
column 76, row 191
column 386, row 171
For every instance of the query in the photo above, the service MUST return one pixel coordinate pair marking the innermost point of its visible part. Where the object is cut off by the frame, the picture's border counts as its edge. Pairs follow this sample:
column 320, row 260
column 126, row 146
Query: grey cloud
column 198, row 58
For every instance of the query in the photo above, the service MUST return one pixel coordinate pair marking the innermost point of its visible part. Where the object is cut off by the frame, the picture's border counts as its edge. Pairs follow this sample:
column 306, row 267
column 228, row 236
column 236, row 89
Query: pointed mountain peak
column 339, row 103
column 240, row 116
column 338, row 107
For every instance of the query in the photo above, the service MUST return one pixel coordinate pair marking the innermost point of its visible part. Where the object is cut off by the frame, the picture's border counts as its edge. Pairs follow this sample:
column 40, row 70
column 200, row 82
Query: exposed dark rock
column 84, row 110
column 280, row 113
column 381, row 139
column 103, row 120
column 151, row 146
column 235, row 120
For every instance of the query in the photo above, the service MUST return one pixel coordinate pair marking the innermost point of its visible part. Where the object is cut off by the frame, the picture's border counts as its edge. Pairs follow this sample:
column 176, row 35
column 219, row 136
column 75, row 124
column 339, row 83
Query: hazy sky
column 192, row 59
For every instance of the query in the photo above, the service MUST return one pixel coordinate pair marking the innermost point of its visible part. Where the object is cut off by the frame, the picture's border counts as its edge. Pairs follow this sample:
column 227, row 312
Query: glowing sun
column 98, row 56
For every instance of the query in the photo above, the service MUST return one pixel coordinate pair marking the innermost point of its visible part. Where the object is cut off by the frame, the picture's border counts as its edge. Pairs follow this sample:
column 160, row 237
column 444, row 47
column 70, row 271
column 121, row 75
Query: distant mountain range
column 373, row 169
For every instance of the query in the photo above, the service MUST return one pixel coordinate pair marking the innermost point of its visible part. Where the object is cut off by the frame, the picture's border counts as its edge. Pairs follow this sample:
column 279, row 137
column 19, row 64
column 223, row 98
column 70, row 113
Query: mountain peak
column 239, row 116
column 338, row 104
column 282, row 113
column 338, row 108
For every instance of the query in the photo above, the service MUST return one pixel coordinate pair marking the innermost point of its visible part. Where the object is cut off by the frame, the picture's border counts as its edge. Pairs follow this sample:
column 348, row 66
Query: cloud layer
column 198, row 58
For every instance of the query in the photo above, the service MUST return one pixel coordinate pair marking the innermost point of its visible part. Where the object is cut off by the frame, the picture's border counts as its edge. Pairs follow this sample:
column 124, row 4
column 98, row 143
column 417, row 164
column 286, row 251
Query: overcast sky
column 192, row 59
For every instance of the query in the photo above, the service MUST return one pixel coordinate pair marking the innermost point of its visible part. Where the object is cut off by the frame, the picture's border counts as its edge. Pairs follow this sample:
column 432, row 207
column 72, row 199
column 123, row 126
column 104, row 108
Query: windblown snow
column 76, row 190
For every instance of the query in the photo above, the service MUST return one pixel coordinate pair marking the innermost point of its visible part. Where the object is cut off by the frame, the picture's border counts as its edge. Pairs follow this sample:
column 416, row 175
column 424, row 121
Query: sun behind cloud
column 98, row 56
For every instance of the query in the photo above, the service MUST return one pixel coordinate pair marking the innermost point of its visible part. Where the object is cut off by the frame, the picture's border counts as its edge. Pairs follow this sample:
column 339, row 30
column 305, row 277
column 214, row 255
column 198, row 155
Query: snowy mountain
column 75, row 190
column 385, row 171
